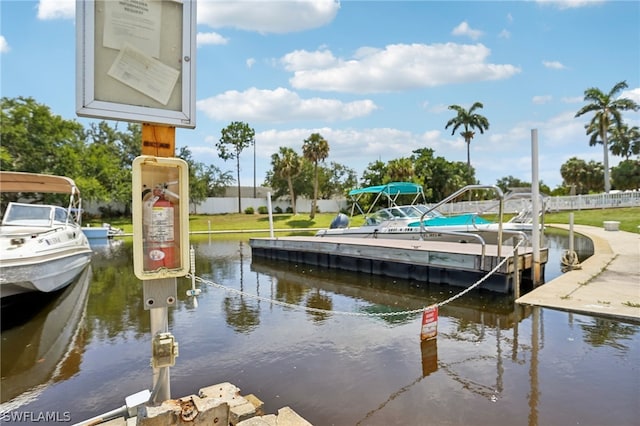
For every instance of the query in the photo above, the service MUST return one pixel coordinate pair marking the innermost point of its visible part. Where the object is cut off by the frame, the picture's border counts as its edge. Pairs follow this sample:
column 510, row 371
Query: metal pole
column 270, row 214
column 535, row 207
column 571, row 232
column 516, row 270
column 160, row 324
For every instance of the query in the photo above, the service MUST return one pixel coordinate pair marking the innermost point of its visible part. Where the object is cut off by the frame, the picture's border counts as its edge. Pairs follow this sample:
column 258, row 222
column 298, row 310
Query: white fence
column 552, row 204
column 221, row 205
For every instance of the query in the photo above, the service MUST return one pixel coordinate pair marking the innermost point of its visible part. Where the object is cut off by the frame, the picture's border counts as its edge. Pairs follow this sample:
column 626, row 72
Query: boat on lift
column 415, row 220
column 42, row 246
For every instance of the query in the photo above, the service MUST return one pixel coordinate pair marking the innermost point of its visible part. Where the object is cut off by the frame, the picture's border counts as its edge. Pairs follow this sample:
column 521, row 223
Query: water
column 492, row 363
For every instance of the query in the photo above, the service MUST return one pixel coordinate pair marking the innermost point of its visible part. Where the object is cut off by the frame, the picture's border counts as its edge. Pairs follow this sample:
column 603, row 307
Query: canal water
column 347, row 362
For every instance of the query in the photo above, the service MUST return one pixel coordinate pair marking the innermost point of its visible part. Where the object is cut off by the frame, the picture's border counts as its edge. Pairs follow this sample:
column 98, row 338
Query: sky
column 374, row 78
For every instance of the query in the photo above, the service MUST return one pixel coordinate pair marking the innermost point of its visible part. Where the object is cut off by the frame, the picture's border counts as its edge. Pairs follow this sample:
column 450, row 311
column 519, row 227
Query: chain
column 483, row 279
column 353, row 314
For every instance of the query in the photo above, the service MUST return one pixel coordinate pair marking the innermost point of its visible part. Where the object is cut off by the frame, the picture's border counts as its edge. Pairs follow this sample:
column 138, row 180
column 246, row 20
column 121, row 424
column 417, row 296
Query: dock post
column 270, row 214
column 516, row 270
column 535, row 208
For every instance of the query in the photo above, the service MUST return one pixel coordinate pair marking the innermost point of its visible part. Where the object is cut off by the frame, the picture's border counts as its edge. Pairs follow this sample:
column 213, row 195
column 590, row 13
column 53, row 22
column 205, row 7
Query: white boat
column 42, row 246
column 417, row 221
column 101, row 232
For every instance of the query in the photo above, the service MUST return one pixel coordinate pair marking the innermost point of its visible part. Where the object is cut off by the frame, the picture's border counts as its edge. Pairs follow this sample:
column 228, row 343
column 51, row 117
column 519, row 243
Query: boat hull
column 45, row 274
column 485, row 233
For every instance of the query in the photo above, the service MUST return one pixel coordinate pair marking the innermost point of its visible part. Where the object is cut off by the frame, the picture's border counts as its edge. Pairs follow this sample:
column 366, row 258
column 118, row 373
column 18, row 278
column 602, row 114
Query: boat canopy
column 23, row 182
column 34, row 182
column 389, row 192
column 392, row 189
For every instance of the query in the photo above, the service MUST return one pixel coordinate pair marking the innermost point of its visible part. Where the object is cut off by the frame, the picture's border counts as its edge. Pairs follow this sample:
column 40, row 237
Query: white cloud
column 504, row 34
column 351, row 147
column 304, row 60
column 397, row 67
column 56, row 9
column 275, row 106
column 203, row 39
column 267, row 16
column 4, row 45
column 555, row 65
column 633, row 94
column 463, row 29
column 250, row 62
column 572, row 99
column 570, row 4
column 543, row 99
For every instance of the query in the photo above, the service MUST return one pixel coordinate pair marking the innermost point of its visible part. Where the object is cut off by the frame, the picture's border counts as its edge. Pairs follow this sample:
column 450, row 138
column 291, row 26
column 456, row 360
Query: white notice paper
column 136, row 22
column 144, row 73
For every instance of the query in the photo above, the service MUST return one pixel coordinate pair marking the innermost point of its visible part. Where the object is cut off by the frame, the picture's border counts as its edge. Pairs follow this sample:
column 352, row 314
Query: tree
column 315, row 149
column 584, row 177
column 625, row 141
column 339, row 180
column 106, row 169
column 400, row 170
column 438, row 176
column 235, row 137
column 626, row 175
column 374, row 174
column 469, row 120
column 32, row 137
column 508, row 183
column 606, row 111
column 287, row 164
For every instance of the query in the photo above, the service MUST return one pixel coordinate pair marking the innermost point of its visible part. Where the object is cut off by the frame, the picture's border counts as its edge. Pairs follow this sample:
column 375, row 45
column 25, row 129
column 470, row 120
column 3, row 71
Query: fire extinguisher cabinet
column 160, row 217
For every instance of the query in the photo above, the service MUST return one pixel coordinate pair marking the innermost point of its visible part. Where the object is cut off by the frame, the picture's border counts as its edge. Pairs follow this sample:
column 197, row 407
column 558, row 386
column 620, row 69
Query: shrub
column 263, row 210
column 289, row 209
column 277, row 210
column 249, row 210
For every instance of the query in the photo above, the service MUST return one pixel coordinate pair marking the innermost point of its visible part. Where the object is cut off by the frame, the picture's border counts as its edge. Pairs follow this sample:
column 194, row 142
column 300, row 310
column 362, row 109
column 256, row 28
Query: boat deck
column 457, row 264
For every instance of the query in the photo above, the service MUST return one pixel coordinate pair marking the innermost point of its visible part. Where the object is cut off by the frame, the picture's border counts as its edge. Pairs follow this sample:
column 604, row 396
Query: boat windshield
column 422, row 209
column 32, row 215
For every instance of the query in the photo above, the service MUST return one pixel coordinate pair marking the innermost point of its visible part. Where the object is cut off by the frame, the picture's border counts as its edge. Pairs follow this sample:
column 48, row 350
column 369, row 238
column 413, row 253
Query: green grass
column 629, row 218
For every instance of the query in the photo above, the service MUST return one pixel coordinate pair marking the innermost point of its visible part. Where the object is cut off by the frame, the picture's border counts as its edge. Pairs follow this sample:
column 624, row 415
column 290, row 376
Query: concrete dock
column 607, row 283
column 437, row 262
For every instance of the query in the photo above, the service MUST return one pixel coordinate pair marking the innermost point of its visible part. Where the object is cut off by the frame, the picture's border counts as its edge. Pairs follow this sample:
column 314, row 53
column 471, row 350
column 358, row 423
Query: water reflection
column 492, row 362
column 48, row 347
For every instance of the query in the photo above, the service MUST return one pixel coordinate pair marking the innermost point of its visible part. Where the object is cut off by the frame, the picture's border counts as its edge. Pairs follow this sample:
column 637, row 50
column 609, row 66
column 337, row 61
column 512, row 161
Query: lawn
column 246, row 225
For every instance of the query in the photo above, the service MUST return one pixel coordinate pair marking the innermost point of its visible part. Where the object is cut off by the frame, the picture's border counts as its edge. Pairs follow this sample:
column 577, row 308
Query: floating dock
column 438, row 262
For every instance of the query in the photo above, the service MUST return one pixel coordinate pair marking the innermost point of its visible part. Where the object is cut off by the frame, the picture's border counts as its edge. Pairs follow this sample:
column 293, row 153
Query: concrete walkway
column 608, row 283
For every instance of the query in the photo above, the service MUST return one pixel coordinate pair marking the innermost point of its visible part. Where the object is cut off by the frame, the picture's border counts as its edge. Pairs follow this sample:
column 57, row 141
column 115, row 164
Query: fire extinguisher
column 158, row 221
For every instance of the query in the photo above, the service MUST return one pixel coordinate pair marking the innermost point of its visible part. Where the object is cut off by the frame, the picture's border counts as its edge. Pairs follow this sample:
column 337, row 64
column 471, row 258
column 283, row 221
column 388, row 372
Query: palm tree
column 315, row 148
column 625, row 141
column 607, row 111
column 400, row 169
column 287, row 164
column 468, row 120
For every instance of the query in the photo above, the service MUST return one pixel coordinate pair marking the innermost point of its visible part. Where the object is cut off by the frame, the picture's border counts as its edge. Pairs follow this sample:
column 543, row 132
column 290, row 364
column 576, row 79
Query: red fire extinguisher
column 159, row 232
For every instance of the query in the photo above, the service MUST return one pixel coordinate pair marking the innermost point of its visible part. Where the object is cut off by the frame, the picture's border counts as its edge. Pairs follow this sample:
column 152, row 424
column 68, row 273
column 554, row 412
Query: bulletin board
column 135, row 60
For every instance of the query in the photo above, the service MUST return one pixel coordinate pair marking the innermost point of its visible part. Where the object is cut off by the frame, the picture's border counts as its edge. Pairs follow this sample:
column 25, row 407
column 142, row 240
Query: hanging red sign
column 429, row 323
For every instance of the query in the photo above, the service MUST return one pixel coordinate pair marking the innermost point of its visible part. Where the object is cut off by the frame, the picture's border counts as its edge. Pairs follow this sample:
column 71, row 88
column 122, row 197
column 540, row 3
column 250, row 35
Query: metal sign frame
column 135, row 61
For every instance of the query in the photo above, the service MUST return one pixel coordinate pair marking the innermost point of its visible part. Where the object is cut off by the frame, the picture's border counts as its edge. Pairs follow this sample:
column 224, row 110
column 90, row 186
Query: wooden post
column 159, row 141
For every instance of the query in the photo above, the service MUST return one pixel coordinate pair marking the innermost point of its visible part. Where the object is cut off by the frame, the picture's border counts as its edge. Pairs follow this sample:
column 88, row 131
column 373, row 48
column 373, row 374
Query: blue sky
column 374, row 78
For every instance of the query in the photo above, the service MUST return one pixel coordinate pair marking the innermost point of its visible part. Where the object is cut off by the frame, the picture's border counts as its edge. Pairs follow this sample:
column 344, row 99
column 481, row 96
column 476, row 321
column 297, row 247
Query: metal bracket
column 164, row 350
column 160, row 293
